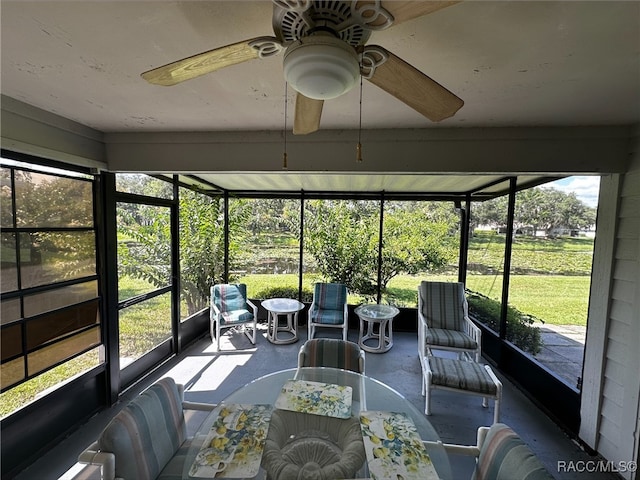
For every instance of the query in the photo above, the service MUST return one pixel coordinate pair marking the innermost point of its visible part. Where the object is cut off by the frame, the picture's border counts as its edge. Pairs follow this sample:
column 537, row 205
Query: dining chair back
column 501, row 455
column 329, row 308
column 332, row 352
column 230, row 307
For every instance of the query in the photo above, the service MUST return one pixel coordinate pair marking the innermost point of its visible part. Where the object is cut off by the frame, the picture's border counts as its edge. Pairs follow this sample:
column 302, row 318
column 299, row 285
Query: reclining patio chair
column 230, row 308
column 443, row 321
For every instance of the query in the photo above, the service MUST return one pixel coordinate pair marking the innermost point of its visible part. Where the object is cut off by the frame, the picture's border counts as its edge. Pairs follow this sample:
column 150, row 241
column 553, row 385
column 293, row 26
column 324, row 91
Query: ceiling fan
column 325, row 52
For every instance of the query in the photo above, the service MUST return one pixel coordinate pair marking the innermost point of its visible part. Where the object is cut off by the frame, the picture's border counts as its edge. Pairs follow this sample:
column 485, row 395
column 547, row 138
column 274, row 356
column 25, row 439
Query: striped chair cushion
column 504, row 456
column 329, row 317
column 147, row 433
column 450, row 338
column 230, row 297
column 330, row 296
column 330, row 352
column 471, row 376
column 236, row 316
column 442, row 304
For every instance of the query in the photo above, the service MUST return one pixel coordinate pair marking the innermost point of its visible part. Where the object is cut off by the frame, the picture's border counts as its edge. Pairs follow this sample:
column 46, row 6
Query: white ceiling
column 514, row 63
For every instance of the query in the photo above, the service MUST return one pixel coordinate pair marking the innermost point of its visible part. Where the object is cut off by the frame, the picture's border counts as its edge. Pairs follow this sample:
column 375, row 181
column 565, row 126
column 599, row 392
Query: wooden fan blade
column 203, row 63
column 308, row 114
column 414, row 88
column 403, row 11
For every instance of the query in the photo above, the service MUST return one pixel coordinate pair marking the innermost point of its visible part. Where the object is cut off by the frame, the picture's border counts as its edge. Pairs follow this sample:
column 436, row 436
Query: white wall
column 611, row 390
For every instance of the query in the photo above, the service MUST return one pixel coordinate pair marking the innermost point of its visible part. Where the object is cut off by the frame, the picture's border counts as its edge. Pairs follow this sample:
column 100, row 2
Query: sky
column 585, row 188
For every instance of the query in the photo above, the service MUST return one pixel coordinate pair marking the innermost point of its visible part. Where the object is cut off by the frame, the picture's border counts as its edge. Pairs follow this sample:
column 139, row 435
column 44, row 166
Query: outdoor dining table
column 263, row 397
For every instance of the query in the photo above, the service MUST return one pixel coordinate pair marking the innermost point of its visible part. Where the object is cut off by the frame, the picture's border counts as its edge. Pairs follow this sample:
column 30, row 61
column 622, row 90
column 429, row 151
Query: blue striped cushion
column 330, row 296
column 146, row 433
column 236, row 316
column 450, row 338
column 229, row 297
column 471, row 376
column 442, row 304
column 331, row 352
column 504, row 456
column 330, row 317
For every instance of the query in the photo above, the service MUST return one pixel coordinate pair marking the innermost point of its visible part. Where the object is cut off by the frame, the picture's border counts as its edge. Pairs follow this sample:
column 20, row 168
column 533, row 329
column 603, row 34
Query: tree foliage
column 545, row 209
column 343, row 237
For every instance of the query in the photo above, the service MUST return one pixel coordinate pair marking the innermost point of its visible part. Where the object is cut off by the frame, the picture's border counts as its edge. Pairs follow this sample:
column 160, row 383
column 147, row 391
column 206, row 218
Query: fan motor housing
column 292, row 24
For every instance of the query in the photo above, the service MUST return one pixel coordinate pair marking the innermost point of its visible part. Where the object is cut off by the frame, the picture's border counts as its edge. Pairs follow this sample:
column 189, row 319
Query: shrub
column 520, row 329
column 284, row 292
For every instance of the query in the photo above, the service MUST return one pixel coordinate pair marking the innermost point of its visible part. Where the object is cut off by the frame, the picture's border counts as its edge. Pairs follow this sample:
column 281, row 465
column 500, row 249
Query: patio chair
column 329, row 308
column 230, row 308
column 500, row 455
column 443, row 321
column 331, row 352
column 146, row 440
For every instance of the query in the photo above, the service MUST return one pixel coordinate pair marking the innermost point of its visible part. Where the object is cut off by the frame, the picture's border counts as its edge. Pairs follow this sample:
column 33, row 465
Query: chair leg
column 427, row 398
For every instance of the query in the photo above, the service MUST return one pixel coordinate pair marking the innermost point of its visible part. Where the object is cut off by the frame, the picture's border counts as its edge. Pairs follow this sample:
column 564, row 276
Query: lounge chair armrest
column 105, row 460
column 472, row 329
column 205, row 407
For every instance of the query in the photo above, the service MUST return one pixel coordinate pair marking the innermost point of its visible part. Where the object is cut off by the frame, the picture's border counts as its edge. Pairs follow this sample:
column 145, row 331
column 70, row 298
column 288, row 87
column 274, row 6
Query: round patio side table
column 282, row 306
column 382, row 315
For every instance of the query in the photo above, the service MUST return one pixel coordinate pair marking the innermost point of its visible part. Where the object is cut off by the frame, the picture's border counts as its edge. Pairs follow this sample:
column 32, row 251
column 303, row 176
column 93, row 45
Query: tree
column 545, row 209
column 343, row 238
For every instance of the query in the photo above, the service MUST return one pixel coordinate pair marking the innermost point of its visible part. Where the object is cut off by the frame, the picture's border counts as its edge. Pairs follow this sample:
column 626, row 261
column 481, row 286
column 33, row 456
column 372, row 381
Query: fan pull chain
column 284, row 155
column 359, row 145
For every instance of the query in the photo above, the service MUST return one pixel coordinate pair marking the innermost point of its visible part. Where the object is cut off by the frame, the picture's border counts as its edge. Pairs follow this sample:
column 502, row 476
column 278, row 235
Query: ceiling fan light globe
column 323, row 69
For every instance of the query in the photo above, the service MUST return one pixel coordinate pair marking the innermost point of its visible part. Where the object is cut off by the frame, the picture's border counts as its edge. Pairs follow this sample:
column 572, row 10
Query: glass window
column 59, row 298
column 51, row 239
column 44, row 200
column 141, row 184
column 6, row 198
column 49, row 257
column 9, row 274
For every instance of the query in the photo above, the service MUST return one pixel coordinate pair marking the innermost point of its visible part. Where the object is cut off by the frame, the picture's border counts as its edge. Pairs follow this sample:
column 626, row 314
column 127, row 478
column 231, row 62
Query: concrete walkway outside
column 563, row 350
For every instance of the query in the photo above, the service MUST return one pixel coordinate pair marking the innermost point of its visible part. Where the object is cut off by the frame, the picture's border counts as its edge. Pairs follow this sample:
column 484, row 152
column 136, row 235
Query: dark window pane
column 6, row 212
column 50, row 201
column 9, row 274
column 45, row 357
column 60, row 323
column 59, row 298
column 141, row 184
column 56, row 256
column 11, row 341
column 12, row 372
column 10, row 311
